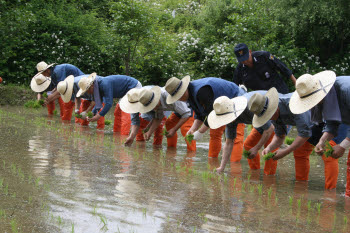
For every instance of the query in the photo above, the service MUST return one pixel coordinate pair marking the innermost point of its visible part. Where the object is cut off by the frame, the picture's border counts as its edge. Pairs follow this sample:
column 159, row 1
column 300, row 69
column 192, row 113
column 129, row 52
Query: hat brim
column 42, row 87
column 173, row 98
column 299, row 105
column 68, row 95
column 128, row 107
column 272, row 95
column 216, row 121
column 243, row 58
column 40, row 72
column 82, row 91
column 157, row 93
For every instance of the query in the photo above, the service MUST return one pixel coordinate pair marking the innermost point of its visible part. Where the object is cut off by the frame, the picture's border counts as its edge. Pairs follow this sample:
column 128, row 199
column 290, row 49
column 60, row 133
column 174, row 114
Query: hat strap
column 322, row 88
column 150, row 101
column 177, row 89
column 42, row 82
column 221, row 114
column 66, row 88
column 265, row 107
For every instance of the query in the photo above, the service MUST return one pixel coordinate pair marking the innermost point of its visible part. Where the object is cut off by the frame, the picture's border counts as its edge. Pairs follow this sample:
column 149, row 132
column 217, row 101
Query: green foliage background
column 155, row 40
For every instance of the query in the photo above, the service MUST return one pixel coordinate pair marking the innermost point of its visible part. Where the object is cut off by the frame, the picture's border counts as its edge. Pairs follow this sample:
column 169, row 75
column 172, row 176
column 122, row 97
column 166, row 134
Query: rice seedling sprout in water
column 268, row 156
column 108, row 122
column 290, row 200
column 329, row 149
column 246, row 153
column 165, row 132
column 189, row 138
column 289, row 140
column 269, row 192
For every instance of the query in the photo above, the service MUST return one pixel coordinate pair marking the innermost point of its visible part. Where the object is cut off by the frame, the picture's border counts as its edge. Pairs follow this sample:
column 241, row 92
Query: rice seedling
column 45, row 95
column 1, row 183
column 59, row 220
column 329, row 149
column 14, row 226
column 268, row 156
column 165, row 132
column 248, row 177
column 234, row 182
column 299, row 203
column 243, row 186
column 54, row 112
column 269, row 192
column 290, row 201
column 145, row 130
column 318, row 207
column 246, row 153
column 189, row 138
column 345, row 221
column 6, row 190
column 14, row 195
column 90, row 114
column 37, row 182
column 2, row 213
column 252, row 188
column 77, row 115
column 30, row 198
column 276, row 200
column 308, row 205
column 289, row 140
column 260, row 189
column 144, row 212
column 72, row 228
column 3, row 164
column 108, row 122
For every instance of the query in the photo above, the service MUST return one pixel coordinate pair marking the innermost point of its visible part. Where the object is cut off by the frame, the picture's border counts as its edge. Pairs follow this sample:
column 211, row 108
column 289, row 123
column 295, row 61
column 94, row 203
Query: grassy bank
column 15, row 95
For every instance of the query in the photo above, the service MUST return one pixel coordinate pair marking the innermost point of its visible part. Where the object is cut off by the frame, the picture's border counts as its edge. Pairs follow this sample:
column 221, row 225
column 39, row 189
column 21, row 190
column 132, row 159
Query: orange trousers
column 83, row 106
column 347, row 191
column 51, row 107
column 252, row 139
column 122, row 121
column 158, row 133
column 302, row 165
column 66, row 109
column 237, row 150
column 171, row 122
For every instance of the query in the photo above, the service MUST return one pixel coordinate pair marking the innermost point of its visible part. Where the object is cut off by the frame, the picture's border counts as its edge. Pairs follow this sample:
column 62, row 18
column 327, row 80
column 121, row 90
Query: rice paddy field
column 62, row 177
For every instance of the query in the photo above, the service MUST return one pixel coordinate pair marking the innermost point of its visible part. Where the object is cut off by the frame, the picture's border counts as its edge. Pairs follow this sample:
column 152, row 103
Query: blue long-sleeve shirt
column 61, row 72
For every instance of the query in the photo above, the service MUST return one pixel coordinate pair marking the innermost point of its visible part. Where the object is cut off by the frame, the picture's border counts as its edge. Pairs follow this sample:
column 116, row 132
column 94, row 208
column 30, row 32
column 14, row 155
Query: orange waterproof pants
column 66, row 109
column 252, row 139
column 347, row 191
column 50, row 107
column 122, row 121
column 215, row 141
column 83, row 106
column 171, row 122
column 237, row 150
column 158, row 133
column 331, row 170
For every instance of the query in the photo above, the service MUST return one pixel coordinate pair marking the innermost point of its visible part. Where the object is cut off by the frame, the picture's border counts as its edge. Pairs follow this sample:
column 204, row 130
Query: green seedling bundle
column 45, row 95
column 89, row 114
column 189, row 138
column 329, row 149
column 145, row 130
column 34, row 103
column 165, row 132
column 78, row 115
column 289, row 141
column 108, row 122
column 246, row 153
column 269, row 156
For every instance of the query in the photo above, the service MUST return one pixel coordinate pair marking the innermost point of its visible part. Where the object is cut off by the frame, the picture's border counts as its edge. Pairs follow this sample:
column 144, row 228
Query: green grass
column 268, row 156
column 189, row 138
column 329, row 149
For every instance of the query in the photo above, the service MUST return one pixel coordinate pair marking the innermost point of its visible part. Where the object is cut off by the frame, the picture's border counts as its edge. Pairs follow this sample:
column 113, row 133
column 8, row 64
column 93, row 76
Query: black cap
column 242, row 52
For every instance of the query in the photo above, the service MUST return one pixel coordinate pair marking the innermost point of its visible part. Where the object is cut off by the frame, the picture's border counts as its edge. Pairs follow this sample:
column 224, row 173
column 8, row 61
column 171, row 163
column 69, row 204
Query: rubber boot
column 347, row 190
column 237, row 150
column 331, row 170
column 215, row 141
column 302, row 163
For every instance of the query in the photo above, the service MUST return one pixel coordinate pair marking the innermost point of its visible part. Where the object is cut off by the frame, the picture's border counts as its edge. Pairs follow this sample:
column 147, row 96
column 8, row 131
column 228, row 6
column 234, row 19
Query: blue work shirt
column 342, row 87
column 113, row 86
column 286, row 117
column 61, row 72
column 246, row 117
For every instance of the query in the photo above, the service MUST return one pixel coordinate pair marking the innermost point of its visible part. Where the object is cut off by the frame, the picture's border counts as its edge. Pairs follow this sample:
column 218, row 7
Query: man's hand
column 83, row 115
column 76, row 111
column 265, row 151
column 95, row 118
column 197, row 135
column 219, row 170
column 171, row 133
column 338, row 152
column 320, row 148
column 129, row 141
column 190, row 132
column 280, row 154
column 147, row 136
column 253, row 152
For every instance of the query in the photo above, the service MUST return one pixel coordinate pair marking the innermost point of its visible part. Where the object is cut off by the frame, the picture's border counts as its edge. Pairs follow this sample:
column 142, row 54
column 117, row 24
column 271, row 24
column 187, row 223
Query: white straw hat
column 226, row 110
column 40, row 83
column 149, row 98
column 130, row 102
column 263, row 106
column 310, row 90
column 176, row 88
column 65, row 88
column 42, row 66
column 85, row 83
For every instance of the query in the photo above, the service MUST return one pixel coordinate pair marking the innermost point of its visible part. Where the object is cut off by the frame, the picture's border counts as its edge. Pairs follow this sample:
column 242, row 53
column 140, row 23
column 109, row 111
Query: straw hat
column 263, row 106
column 149, row 98
column 176, row 88
column 130, row 102
column 85, row 83
column 42, row 66
column 310, row 90
column 65, row 88
column 40, row 83
column 226, row 110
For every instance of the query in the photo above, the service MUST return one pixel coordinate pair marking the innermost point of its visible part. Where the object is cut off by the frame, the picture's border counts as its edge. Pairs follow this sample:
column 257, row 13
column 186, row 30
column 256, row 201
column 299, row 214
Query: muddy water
column 57, row 177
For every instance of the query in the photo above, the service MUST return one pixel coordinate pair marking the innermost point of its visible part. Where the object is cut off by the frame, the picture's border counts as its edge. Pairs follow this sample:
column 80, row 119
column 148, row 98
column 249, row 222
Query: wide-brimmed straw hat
column 65, row 88
column 176, row 88
column 42, row 66
column 149, row 98
column 310, row 90
column 130, row 102
column 40, row 83
column 85, row 83
column 226, row 110
column 263, row 106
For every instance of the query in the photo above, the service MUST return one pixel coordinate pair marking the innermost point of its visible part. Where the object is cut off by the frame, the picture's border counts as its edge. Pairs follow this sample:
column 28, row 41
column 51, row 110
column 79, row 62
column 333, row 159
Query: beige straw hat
column 263, row 106
column 149, row 98
column 40, row 83
column 85, row 83
column 226, row 110
column 42, row 66
column 130, row 102
column 65, row 88
column 310, row 90
column 176, row 88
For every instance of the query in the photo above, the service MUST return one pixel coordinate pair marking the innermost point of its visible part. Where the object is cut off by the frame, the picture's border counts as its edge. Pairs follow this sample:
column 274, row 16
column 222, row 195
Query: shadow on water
column 61, row 177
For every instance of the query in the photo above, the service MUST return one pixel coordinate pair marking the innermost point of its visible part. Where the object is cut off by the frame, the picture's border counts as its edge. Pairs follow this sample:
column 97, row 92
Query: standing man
column 55, row 74
column 105, row 90
column 200, row 95
column 259, row 71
